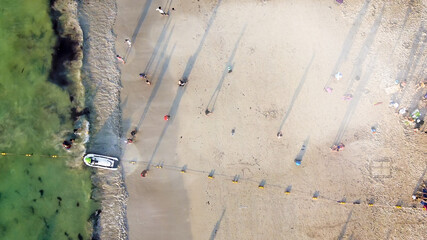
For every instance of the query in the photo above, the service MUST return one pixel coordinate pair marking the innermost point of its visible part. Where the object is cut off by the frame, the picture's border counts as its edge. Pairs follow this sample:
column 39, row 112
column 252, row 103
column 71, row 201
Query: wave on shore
column 101, row 79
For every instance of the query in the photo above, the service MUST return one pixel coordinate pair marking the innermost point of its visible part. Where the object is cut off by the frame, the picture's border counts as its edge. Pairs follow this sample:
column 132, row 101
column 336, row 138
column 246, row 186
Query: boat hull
column 101, row 161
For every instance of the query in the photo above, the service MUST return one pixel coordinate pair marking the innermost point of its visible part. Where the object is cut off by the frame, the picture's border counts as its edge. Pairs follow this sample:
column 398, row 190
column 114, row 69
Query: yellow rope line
column 262, row 184
column 5, row 154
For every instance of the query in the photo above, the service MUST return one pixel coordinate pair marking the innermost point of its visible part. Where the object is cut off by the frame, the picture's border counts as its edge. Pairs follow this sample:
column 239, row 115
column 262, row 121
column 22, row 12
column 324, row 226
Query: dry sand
column 283, row 54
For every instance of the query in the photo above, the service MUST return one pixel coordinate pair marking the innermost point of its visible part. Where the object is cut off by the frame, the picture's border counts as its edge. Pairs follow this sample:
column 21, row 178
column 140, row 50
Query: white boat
column 100, row 161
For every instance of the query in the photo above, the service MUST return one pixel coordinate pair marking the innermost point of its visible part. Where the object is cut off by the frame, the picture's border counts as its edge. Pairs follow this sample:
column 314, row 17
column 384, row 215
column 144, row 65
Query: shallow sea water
column 40, row 197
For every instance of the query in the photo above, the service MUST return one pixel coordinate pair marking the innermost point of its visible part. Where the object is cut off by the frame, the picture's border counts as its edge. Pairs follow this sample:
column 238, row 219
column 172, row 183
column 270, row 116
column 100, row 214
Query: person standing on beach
column 182, row 83
column 145, row 77
column 128, row 42
column 159, row 9
column 120, row 59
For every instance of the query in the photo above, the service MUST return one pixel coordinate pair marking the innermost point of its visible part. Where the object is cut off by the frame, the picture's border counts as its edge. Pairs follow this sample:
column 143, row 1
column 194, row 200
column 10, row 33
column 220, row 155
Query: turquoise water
column 40, row 197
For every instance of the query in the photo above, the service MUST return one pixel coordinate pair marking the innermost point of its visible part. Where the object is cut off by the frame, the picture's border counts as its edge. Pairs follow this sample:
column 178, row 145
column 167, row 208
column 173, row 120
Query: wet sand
column 101, row 79
column 282, row 57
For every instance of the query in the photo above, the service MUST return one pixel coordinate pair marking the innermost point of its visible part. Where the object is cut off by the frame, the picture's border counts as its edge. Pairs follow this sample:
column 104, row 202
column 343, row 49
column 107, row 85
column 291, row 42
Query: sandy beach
column 283, row 55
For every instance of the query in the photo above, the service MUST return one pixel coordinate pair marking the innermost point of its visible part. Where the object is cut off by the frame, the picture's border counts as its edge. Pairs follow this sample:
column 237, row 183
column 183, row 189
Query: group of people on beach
column 421, row 195
column 133, row 135
column 181, row 83
column 143, row 76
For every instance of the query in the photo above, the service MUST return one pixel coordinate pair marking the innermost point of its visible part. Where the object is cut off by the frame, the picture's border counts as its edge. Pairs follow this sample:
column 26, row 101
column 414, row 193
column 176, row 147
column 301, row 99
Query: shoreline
column 159, row 205
column 101, row 79
column 196, row 204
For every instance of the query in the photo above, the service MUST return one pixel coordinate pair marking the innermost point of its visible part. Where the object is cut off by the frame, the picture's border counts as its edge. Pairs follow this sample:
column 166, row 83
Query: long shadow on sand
column 168, row 6
column 180, row 91
column 165, row 46
column 348, row 43
column 296, row 93
column 158, row 82
column 230, row 63
column 364, row 51
column 139, row 24
column 344, row 228
column 411, row 59
column 216, row 228
column 172, row 113
column 158, row 46
column 411, row 65
column 354, row 102
column 357, row 70
column 408, row 11
column 192, row 60
column 419, row 181
column 303, row 149
column 189, row 67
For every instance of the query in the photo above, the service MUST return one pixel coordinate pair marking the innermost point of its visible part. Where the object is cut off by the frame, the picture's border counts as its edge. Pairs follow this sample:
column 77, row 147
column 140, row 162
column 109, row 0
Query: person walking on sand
column 181, row 83
column 144, row 173
column 145, row 77
column 120, row 59
column 159, row 9
column 338, row 76
column 134, row 132
column 128, row 42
